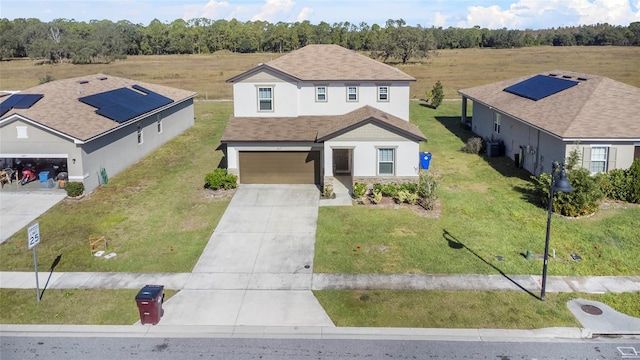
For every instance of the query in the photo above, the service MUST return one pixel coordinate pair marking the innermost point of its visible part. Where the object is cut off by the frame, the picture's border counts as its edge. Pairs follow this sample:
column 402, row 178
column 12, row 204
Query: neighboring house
column 319, row 112
column 542, row 118
column 90, row 123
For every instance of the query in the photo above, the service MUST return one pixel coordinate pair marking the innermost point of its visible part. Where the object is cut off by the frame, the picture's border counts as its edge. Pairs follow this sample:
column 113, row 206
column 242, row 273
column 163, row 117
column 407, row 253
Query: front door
column 341, row 161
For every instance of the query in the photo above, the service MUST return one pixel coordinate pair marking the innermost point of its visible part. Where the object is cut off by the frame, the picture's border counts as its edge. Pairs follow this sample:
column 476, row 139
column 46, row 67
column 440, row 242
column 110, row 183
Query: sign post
column 34, row 239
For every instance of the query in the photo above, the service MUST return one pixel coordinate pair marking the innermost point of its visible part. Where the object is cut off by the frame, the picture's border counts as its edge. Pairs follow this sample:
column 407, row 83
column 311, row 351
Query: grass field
column 456, row 69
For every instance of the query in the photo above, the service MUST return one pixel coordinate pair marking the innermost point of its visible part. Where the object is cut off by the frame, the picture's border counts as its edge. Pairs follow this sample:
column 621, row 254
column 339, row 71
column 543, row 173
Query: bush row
column 422, row 193
column 220, row 179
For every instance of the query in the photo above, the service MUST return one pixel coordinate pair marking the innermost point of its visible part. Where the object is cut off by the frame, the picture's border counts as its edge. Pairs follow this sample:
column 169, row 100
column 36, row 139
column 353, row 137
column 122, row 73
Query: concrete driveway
column 259, row 263
column 19, row 209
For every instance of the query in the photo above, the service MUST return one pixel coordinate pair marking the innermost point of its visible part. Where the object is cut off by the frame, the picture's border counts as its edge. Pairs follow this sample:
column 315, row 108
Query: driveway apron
column 257, row 267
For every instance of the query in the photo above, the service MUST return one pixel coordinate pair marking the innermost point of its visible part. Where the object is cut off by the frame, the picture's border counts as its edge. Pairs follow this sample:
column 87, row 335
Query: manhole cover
column 590, row 309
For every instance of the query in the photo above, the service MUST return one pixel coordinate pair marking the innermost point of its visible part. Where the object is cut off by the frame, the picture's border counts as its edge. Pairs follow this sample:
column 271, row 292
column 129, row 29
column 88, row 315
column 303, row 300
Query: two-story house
column 320, row 112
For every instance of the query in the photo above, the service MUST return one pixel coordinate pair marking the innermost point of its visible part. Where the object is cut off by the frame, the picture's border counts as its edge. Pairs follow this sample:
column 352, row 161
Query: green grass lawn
column 486, row 212
column 71, row 306
column 460, row 309
column 155, row 215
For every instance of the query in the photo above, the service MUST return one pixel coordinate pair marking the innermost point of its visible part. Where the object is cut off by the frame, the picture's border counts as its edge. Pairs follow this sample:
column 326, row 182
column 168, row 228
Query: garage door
column 280, row 167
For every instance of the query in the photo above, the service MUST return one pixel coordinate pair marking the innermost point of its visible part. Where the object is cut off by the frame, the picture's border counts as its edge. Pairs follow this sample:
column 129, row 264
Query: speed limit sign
column 34, row 235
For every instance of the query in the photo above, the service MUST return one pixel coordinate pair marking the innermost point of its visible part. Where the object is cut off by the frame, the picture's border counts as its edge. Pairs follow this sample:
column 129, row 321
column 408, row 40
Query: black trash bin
column 149, row 300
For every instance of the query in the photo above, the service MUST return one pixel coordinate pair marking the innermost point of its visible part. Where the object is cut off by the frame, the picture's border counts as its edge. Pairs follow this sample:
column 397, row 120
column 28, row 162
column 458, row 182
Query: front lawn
column 485, row 213
column 156, row 215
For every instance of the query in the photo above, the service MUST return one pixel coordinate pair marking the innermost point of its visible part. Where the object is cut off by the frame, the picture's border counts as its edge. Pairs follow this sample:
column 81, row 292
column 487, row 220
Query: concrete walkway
column 19, row 208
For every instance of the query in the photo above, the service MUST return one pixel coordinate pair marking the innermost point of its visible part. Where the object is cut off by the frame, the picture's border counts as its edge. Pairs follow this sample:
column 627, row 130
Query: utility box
column 149, row 300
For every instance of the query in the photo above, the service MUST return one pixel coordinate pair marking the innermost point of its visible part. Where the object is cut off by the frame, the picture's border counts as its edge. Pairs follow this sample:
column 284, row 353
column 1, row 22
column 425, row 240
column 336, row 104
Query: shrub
column 633, row 177
column 583, row 200
column 327, row 192
column 427, row 186
column 404, row 196
column 410, row 187
column 74, row 188
column 435, row 96
column 377, row 187
column 359, row 190
column 220, row 179
column 473, row 145
column 377, row 196
column 618, row 185
column 390, row 190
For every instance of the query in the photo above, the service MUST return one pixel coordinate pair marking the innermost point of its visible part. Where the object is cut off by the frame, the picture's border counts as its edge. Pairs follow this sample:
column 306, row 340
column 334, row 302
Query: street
column 85, row 348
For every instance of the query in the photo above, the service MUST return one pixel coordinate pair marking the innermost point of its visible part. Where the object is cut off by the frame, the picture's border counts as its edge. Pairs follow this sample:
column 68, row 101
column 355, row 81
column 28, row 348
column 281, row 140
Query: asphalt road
column 87, row 348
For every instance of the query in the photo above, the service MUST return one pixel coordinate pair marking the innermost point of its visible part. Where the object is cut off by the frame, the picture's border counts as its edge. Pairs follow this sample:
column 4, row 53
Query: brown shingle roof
column 596, row 108
column 61, row 110
column 313, row 128
column 330, row 63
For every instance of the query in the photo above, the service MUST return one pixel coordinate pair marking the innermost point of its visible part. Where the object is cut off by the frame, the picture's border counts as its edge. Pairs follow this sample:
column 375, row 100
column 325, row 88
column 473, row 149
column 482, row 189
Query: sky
column 492, row 14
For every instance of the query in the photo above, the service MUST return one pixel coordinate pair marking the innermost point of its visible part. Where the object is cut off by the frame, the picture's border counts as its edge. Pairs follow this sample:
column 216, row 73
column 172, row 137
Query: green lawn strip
column 487, row 212
column 460, row 309
column 156, row 215
column 71, row 306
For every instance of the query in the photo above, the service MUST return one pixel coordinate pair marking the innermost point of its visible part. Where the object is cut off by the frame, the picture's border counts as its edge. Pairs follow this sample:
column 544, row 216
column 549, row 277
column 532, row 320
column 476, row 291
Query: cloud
column 212, row 10
column 272, row 10
column 551, row 13
column 439, row 19
column 305, row 14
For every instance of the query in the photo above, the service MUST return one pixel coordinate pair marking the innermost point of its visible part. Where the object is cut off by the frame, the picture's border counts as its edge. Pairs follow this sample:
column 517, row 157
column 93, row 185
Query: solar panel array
column 19, row 101
column 540, row 86
column 125, row 104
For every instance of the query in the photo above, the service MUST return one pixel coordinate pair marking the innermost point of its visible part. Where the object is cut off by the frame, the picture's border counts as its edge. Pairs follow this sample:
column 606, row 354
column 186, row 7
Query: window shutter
column 612, row 159
column 586, row 158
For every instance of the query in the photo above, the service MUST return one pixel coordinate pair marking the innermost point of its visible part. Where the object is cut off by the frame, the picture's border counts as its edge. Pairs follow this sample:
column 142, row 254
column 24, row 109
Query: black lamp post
column 559, row 182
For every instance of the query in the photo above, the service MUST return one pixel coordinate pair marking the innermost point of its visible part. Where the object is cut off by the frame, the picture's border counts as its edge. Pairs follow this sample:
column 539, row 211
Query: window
column 265, row 99
column 22, row 132
column 598, row 159
column 321, row 93
column 159, row 123
column 383, row 93
column 139, row 134
column 496, row 123
column 352, row 93
column 386, row 161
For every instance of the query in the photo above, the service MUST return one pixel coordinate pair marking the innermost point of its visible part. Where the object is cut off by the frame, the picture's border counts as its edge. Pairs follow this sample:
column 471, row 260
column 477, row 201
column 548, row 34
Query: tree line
column 103, row 41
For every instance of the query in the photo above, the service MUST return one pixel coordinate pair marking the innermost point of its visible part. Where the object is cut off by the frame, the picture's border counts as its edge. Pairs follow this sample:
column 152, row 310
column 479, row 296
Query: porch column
column 463, row 117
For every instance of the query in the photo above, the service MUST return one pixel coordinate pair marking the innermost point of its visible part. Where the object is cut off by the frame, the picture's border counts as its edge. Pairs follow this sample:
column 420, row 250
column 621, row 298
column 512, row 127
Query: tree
column 436, row 95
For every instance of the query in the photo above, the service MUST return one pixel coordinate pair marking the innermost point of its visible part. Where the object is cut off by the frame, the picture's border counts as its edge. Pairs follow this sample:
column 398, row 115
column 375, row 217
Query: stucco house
column 320, row 112
column 90, row 123
column 542, row 118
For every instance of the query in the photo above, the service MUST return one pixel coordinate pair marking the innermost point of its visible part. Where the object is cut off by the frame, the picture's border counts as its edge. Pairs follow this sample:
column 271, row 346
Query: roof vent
column 582, row 79
column 566, row 76
column 554, row 75
column 102, row 78
column 82, row 81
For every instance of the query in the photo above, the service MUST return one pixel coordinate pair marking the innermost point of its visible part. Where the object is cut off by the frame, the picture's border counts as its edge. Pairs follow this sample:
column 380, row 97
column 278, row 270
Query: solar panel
column 125, row 104
column 19, row 101
column 540, row 86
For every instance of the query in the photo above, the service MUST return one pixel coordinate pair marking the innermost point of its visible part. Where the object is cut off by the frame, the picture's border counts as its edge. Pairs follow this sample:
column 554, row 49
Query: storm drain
column 591, row 310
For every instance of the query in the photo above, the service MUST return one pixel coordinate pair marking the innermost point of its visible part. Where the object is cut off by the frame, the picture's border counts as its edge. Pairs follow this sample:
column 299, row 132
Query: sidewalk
column 241, row 281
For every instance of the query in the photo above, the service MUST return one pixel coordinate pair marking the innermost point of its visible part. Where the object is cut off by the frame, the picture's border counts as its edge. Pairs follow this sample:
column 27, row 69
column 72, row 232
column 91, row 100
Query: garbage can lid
column 149, row 292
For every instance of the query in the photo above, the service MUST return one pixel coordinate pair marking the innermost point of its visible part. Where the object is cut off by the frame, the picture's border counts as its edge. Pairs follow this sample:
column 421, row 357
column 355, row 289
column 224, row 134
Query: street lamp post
column 560, row 184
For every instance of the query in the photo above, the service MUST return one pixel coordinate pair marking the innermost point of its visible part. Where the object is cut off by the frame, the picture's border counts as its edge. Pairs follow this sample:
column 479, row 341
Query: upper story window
column 352, row 93
column 265, row 98
column 383, row 93
column 321, row 93
column 496, row 123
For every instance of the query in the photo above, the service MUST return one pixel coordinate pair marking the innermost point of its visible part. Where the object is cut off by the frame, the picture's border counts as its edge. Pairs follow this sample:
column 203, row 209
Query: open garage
column 279, row 167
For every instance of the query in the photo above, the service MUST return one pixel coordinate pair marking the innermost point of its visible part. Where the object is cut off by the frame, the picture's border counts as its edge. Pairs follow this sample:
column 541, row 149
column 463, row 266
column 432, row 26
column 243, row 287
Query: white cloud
column 304, row 14
column 439, row 19
column 272, row 9
column 552, row 13
column 212, row 10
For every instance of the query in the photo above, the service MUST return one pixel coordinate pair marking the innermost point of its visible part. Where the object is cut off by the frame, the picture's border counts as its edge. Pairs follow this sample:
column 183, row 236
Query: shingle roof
column 329, row 63
column 313, row 128
column 597, row 107
column 61, row 110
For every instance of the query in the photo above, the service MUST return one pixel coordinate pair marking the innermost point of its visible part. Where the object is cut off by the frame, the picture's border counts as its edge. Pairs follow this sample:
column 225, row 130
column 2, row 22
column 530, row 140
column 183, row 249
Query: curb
column 297, row 332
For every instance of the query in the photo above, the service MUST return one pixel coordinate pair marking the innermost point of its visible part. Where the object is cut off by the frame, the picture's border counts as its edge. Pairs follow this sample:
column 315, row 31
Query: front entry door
column 342, row 161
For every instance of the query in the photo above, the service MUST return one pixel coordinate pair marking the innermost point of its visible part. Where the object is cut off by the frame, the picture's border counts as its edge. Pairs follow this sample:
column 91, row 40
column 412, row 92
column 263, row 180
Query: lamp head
column 562, row 183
